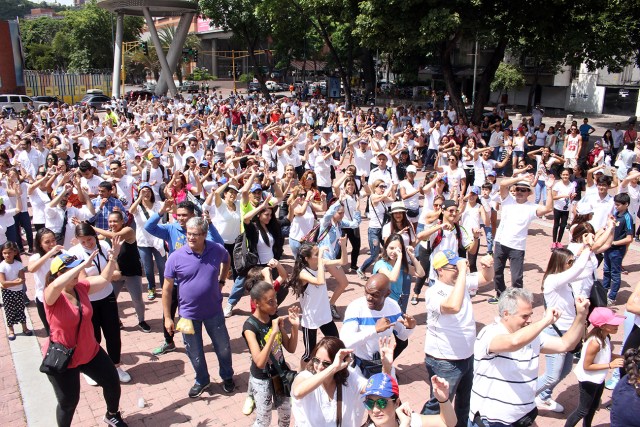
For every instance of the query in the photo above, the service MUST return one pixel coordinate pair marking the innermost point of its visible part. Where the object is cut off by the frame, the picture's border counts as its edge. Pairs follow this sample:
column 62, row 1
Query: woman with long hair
column 39, row 264
column 70, row 315
column 178, row 187
column 562, row 269
column 150, row 247
column 302, row 215
column 563, row 192
column 455, row 175
column 104, row 304
column 399, row 224
column 351, row 202
column 394, row 263
column 309, row 285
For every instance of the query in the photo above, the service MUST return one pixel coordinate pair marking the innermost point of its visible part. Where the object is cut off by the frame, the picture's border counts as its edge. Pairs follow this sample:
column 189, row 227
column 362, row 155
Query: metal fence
column 69, row 87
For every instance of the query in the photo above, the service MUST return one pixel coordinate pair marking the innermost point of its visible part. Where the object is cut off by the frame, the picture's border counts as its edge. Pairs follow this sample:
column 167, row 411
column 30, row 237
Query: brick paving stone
column 165, row 380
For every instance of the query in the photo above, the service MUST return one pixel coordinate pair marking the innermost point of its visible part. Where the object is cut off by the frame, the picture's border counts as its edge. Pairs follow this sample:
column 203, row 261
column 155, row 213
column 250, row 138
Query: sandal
column 27, row 332
column 11, row 337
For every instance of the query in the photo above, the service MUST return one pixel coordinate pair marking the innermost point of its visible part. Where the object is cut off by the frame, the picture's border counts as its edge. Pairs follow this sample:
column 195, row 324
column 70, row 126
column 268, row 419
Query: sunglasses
column 382, row 186
column 324, row 363
column 522, row 190
column 380, row 403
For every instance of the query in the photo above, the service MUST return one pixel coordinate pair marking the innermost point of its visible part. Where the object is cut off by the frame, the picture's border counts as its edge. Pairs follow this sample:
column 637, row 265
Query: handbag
column 58, row 356
column 598, row 296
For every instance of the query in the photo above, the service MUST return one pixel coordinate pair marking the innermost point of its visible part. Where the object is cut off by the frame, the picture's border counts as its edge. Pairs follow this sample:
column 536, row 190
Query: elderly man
column 196, row 266
column 451, row 328
column 507, row 353
column 373, row 316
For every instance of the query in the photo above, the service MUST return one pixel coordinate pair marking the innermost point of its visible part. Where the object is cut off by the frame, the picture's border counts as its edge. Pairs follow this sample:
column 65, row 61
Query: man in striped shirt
column 506, row 356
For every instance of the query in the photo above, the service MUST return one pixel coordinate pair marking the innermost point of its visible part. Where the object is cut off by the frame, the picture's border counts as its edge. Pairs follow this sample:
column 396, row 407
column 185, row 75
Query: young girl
column 12, row 280
column 263, row 333
column 309, row 285
column 39, row 264
column 594, row 363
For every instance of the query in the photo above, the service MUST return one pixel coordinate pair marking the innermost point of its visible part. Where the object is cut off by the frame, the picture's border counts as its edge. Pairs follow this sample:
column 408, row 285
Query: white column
column 175, row 51
column 158, row 45
column 117, row 57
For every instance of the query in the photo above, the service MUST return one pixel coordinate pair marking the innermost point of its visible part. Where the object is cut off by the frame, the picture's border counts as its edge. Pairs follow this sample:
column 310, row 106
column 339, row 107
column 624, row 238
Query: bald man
column 373, row 316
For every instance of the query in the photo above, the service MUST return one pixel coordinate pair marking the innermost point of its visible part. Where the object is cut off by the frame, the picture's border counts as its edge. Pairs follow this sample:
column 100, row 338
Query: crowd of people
column 209, row 194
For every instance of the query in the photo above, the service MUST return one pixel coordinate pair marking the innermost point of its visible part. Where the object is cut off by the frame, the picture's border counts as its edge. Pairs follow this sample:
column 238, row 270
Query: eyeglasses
column 522, row 190
column 194, row 234
column 324, row 363
column 382, row 186
column 450, row 267
column 452, row 160
column 380, row 403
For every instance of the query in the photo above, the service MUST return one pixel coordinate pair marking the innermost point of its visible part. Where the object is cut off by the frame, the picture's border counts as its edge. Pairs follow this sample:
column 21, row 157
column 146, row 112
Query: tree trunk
column 484, row 84
column 455, row 95
column 262, row 79
column 321, row 27
column 532, row 89
column 368, row 70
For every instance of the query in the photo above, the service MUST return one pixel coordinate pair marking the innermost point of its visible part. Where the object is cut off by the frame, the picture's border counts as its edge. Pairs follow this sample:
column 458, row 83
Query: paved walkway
column 164, row 381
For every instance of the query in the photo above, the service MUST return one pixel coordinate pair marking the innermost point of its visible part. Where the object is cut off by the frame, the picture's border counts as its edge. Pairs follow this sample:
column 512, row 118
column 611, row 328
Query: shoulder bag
column 58, row 356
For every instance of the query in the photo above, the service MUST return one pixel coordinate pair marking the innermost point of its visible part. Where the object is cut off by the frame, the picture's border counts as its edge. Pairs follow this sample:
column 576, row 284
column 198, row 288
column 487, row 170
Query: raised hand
column 408, row 321
column 440, row 388
column 387, row 345
column 294, row 316
column 342, row 359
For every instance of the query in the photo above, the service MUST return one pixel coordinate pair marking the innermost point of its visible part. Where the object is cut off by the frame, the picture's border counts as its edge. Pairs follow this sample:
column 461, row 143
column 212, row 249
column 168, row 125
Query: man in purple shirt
column 198, row 266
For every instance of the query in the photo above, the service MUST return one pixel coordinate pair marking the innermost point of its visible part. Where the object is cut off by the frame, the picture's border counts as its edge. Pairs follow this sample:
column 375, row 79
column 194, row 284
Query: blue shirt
column 330, row 233
column 174, row 234
column 400, row 287
column 624, row 227
column 200, row 297
column 101, row 217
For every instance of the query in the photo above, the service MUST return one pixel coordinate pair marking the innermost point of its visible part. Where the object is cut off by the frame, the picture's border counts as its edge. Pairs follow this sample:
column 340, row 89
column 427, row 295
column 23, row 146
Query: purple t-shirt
column 199, row 297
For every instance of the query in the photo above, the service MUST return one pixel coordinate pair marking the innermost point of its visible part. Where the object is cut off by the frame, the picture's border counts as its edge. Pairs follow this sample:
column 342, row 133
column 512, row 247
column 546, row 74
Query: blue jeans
column 147, row 255
column 237, row 290
column 612, row 270
column 294, row 245
column 375, row 240
column 541, row 193
column 459, row 374
column 217, row 331
column 419, row 229
column 489, row 235
column 558, row 366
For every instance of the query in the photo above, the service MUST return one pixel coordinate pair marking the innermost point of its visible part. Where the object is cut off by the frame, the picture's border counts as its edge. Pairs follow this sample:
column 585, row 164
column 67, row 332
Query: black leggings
column 105, row 319
column 67, row 386
column 559, row 224
column 310, row 337
column 590, row 394
column 633, row 341
column 168, row 338
column 353, row 235
column 42, row 315
column 423, row 257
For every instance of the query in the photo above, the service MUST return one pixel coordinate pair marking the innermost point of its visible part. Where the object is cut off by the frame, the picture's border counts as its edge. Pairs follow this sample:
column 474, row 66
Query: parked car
column 134, row 95
column 16, row 103
column 43, row 101
column 96, row 101
column 253, row 87
column 189, row 87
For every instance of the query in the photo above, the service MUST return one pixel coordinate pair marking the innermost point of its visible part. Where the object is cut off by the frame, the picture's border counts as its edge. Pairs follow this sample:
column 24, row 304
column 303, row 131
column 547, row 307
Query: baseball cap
column 144, row 185
column 604, row 316
column 380, row 129
column 204, row 164
column 492, row 173
column 382, row 385
column 64, row 261
column 445, row 257
column 237, row 149
column 474, row 189
column 153, row 155
column 255, row 187
column 449, row 203
column 412, row 169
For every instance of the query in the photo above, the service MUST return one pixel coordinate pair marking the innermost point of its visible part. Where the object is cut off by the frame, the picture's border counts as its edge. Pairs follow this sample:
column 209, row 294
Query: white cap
column 380, row 129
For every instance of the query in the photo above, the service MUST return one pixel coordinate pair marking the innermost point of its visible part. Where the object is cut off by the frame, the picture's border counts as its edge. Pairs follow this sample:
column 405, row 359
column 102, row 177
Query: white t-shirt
column 143, row 238
column 317, row 410
column 40, row 276
column 603, row 356
column 227, row 222
column 449, row 336
column 514, row 224
column 314, row 304
column 100, row 260
column 11, row 272
column 302, row 224
column 634, row 195
column 39, row 199
column 6, row 221
column 412, row 202
column 265, row 252
column 362, row 161
column 454, row 178
column 563, row 190
column 583, row 284
column 481, row 168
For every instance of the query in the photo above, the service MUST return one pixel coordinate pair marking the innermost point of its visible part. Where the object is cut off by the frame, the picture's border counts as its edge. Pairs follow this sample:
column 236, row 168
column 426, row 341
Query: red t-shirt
column 63, row 318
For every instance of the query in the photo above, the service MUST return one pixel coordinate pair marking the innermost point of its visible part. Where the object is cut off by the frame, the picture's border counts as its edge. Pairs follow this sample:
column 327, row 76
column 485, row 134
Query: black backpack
column 244, row 256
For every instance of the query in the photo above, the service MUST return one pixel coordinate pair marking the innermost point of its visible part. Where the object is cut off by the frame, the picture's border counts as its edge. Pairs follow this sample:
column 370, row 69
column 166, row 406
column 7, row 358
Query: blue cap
column 144, row 185
column 223, row 180
column 382, row 385
column 445, row 257
column 492, row 173
column 110, row 152
column 255, row 187
column 204, row 164
column 474, row 189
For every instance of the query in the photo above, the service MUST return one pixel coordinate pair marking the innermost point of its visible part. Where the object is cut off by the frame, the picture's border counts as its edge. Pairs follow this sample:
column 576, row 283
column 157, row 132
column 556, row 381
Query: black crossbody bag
column 58, row 356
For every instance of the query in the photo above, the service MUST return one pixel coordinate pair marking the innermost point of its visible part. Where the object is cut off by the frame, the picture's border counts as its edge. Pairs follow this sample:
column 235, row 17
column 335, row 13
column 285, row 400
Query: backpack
column 244, row 257
column 148, row 172
column 591, row 157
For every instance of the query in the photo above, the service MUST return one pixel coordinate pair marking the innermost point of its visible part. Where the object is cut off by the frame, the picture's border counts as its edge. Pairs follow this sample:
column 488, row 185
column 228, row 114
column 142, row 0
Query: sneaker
column 151, row 294
column 414, row 300
column 610, row 302
column 334, row 312
column 164, row 348
column 89, row 380
column 637, row 239
column 197, row 389
column 228, row 310
column 248, row 406
column 115, row 420
column 549, row 405
column 492, row 300
column 144, row 327
column 559, row 245
column 611, row 383
column 228, row 385
column 553, row 246
column 123, row 375
column 361, row 274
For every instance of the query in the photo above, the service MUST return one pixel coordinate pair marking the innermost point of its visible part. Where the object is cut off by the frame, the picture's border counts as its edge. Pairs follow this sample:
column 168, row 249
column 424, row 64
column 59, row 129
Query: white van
column 15, row 102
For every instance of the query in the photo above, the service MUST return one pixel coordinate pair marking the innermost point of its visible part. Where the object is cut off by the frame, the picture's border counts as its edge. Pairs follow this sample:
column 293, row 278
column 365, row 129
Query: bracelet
column 442, row 402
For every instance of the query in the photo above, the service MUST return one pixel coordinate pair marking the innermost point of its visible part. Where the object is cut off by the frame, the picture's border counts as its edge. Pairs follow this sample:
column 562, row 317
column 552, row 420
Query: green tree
column 508, row 77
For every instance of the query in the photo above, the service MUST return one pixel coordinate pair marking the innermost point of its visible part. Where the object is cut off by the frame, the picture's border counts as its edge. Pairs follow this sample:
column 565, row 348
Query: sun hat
column 398, row 207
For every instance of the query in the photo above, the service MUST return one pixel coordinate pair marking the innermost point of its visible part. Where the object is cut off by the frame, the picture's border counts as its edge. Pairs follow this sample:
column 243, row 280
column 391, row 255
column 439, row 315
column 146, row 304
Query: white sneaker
column 123, row 375
column 549, row 405
column 228, row 310
column 89, row 380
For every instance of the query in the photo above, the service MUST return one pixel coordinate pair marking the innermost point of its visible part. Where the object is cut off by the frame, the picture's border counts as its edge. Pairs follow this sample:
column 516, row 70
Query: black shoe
column 492, row 300
column 228, row 385
column 144, row 327
column 197, row 389
column 114, row 420
column 121, row 325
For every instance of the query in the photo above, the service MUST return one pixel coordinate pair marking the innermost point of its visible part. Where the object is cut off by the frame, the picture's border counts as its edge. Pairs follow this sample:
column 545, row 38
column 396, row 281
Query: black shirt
column 263, row 332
